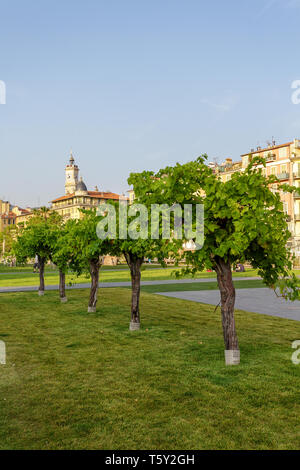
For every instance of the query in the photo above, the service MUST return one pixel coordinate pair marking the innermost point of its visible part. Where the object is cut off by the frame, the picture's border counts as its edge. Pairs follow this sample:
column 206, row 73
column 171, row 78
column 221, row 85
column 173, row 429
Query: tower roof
column 72, row 160
column 81, row 186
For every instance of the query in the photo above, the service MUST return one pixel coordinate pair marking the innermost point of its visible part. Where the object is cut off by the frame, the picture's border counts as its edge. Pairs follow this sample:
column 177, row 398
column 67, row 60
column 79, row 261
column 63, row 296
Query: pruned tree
column 61, row 256
column 85, row 250
column 129, row 230
column 7, row 237
column 135, row 252
column 37, row 238
column 244, row 221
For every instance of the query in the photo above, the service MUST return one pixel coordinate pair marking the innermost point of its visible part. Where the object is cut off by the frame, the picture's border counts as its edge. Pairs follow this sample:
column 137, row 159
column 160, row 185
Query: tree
column 85, row 250
column 130, row 235
column 38, row 239
column 244, row 220
column 6, row 240
column 61, row 255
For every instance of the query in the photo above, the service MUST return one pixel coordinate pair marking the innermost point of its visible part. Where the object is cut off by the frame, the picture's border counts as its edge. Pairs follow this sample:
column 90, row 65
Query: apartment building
column 7, row 218
column 283, row 161
column 12, row 215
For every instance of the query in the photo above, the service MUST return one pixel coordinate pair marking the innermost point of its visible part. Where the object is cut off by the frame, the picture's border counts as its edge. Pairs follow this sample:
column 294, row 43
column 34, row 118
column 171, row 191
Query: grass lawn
column 23, row 276
column 193, row 286
column 80, row 381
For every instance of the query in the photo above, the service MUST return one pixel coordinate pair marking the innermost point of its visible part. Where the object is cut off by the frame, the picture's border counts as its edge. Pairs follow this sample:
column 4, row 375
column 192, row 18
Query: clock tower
column 72, row 171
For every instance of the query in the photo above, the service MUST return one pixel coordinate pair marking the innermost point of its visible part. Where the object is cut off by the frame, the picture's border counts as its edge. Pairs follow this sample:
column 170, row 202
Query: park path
column 257, row 300
column 118, row 284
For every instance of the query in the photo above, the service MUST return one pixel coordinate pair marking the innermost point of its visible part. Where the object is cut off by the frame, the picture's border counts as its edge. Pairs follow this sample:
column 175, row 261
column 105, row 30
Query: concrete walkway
column 261, row 300
column 117, row 284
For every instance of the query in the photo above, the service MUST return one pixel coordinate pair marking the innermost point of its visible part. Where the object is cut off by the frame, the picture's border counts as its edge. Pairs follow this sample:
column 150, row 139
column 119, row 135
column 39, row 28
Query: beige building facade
column 283, row 161
column 77, row 196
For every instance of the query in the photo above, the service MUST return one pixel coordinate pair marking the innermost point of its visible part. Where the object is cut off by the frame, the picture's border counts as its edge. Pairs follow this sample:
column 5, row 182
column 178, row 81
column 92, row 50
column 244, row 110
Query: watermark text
column 158, row 222
column 2, row 353
column 2, row 92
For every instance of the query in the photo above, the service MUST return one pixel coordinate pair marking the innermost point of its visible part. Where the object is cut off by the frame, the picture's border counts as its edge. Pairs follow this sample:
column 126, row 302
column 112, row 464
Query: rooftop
column 92, row 194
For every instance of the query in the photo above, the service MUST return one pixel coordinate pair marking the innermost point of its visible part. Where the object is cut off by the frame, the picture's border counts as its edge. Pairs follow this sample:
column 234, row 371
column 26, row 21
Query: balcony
column 283, row 176
column 271, row 157
column 296, row 194
column 297, row 217
column 296, row 174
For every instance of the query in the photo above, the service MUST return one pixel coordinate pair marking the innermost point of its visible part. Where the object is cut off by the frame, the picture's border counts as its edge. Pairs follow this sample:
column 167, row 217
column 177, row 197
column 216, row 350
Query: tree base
column 232, row 357
column 41, row 292
column 91, row 309
column 134, row 326
column 63, row 300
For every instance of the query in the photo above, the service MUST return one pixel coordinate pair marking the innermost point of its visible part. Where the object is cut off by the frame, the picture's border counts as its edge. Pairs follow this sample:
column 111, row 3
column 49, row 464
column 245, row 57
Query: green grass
column 194, row 286
column 29, row 268
column 82, row 381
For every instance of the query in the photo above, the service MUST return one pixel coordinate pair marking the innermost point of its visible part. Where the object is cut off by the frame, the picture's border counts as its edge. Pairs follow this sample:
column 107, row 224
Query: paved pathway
column 261, row 300
column 117, row 284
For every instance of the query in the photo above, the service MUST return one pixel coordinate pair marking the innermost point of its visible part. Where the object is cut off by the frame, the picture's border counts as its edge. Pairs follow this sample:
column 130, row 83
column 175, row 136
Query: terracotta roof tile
column 93, row 194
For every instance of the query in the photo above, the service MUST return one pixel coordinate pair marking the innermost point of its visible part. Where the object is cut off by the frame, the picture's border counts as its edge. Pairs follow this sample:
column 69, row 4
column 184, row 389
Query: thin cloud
column 219, row 106
column 225, row 105
column 293, row 4
column 270, row 4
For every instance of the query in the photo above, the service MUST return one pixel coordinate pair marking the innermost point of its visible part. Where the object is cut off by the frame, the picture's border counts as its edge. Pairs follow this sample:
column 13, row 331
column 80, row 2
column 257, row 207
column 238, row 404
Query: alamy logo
column 158, row 222
column 296, row 355
column 2, row 353
column 296, row 93
column 2, row 92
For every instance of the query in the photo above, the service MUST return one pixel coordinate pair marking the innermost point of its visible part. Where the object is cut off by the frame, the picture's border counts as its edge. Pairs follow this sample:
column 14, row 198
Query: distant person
column 240, row 268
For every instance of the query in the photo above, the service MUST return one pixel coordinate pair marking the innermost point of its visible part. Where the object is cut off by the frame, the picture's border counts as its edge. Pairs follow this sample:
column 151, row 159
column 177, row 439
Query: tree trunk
column 135, row 264
column 42, row 275
column 227, row 290
column 62, row 286
column 94, row 270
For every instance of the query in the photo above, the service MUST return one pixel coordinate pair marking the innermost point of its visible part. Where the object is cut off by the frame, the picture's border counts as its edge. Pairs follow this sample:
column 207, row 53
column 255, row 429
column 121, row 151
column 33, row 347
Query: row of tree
column 244, row 220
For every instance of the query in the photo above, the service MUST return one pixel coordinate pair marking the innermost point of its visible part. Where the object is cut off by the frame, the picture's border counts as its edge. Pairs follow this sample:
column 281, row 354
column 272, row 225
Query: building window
column 283, row 169
column 283, row 152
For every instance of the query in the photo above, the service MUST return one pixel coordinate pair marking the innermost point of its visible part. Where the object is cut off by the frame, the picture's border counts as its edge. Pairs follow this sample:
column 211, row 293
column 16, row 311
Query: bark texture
column 42, row 275
column 134, row 262
column 227, row 290
column 95, row 265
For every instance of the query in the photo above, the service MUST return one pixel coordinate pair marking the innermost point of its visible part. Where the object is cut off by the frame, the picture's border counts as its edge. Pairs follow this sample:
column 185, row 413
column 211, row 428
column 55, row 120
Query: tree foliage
column 244, row 221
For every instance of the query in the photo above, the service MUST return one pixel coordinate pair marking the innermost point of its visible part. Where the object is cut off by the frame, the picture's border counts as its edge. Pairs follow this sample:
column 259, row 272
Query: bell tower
column 72, row 171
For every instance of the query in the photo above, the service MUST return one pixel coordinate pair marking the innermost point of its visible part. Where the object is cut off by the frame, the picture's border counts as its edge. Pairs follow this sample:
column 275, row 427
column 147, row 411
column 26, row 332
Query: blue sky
column 133, row 85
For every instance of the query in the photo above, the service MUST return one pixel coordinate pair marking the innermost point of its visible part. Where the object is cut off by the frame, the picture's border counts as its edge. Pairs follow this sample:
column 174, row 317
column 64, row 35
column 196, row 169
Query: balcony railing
column 283, row 176
column 271, row 157
column 297, row 174
column 297, row 217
